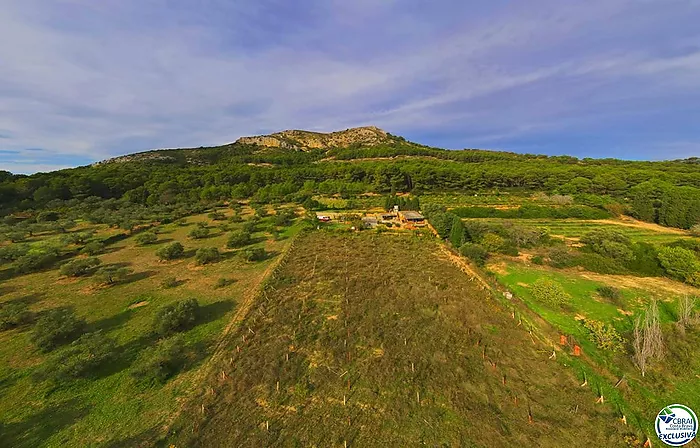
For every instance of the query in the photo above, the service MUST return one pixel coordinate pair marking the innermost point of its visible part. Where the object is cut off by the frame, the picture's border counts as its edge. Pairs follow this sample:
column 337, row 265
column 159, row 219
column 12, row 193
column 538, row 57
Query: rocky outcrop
column 305, row 140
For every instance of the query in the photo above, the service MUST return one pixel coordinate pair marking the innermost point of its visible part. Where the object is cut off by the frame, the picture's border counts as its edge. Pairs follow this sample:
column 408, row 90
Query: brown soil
column 138, row 305
column 660, row 285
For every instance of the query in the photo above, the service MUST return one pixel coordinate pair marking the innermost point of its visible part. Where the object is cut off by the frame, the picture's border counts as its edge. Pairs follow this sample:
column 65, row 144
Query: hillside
column 370, row 340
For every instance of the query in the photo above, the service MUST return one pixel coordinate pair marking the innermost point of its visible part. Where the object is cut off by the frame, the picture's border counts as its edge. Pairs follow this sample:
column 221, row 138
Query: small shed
column 412, row 217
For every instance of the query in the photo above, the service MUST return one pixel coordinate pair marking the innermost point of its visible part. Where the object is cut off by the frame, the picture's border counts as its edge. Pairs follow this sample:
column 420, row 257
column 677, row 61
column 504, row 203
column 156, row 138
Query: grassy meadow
column 380, row 340
column 110, row 408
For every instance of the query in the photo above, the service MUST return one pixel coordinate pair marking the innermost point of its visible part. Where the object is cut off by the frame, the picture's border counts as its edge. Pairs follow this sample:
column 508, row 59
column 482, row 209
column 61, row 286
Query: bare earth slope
column 378, row 340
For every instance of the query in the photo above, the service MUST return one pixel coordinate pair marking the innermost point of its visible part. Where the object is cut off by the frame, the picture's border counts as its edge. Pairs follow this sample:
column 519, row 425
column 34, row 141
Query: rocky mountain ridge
column 306, row 140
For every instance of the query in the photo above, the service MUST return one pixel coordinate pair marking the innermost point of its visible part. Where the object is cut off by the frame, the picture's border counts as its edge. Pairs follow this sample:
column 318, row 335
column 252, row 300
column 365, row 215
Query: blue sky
column 84, row 80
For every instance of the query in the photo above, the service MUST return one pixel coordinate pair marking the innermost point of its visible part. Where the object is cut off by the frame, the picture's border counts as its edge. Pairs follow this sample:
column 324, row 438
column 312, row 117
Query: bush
column 238, row 239
column 110, row 275
column 14, row 314
column 475, row 253
column 82, row 357
column 235, row 219
column 171, row 251
column 35, row 260
column 492, row 242
column 561, row 257
column 56, row 327
column 178, row 316
column 609, row 243
column 224, row 282
column 681, row 264
column 216, row 216
column 549, row 292
column 198, row 233
column 156, row 365
column 170, row 282
column 250, row 225
column 206, row 255
column 145, row 238
column 92, row 248
column 537, row 259
column 284, row 217
column 256, row 254
column 609, row 292
column 80, row 266
column 605, row 336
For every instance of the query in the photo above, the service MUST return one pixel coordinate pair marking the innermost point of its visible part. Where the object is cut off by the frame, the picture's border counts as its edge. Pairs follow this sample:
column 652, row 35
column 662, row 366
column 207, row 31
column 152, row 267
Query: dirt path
column 463, row 265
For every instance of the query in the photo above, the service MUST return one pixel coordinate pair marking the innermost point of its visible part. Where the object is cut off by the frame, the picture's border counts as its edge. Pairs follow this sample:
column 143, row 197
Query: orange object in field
column 577, row 350
column 562, row 340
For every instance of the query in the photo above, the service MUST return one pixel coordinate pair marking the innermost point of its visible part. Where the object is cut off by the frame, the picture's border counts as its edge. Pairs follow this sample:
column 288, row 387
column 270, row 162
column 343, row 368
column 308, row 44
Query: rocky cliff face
column 304, row 140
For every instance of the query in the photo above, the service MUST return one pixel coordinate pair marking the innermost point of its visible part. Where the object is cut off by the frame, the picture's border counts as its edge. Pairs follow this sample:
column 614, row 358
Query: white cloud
column 111, row 80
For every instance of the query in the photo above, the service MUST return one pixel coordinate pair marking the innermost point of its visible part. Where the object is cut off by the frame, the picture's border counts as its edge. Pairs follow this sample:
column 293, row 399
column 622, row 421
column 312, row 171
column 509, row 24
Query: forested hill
column 294, row 165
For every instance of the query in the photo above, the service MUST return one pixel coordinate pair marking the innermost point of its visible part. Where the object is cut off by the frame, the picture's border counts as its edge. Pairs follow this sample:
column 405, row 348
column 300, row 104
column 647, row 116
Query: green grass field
column 109, row 408
column 377, row 340
column 574, row 228
column 674, row 379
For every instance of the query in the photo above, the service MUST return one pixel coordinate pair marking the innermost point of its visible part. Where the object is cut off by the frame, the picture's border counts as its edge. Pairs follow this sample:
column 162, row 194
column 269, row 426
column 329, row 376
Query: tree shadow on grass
column 110, row 323
column 136, row 276
column 35, row 430
column 214, row 311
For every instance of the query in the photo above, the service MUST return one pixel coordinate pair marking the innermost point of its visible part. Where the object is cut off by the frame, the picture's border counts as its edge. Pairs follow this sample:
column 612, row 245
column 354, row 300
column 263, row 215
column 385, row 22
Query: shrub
column 255, row 254
column 92, row 248
column 178, row 316
column 170, row 282
column 82, row 357
column 492, row 242
column 155, row 365
column 80, row 266
column 475, row 253
column 681, row 264
column 216, row 216
column 235, row 218
column 56, row 327
column 47, row 216
column 198, row 233
column 284, row 217
column 604, row 335
column 145, row 238
column 250, row 226
column 206, row 255
column 35, row 260
column 238, row 239
column 549, row 292
column 561, row 257
column 110, row 275
column 14, row 314
column 171, row 251
column 223, row 282
column 13, row 252
column 609, row 292
column 537, row 259
column 609, row 243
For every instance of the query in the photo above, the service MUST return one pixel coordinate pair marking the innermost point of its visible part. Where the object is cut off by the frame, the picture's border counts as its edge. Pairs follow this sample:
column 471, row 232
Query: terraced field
column 574, row 228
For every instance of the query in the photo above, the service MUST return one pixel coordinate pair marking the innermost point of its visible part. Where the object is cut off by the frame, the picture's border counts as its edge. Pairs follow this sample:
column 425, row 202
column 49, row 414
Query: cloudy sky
column 83, row 80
